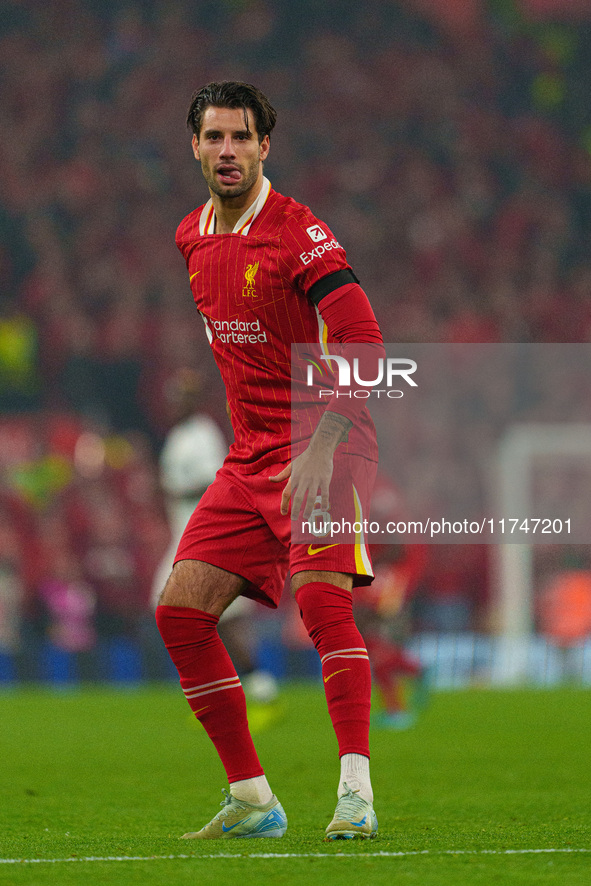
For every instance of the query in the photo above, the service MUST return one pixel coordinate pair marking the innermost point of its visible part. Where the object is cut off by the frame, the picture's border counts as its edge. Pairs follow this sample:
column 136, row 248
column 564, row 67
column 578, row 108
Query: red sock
column 327, row 613
column 211, row 686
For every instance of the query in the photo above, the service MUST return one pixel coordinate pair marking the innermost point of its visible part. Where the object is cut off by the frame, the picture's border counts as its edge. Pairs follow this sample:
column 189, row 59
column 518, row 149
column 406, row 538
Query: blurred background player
column 564, row 611
column 382, row 613
column 193, row 451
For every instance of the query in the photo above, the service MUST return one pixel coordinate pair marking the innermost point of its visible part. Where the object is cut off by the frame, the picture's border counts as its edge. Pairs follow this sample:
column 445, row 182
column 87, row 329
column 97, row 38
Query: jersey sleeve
column 347, row 312
column 187, row 232
column 309, row 250
column 348, row 315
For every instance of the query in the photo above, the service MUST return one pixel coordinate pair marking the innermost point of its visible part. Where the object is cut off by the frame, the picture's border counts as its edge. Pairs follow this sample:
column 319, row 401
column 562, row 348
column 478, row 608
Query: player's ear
column 195, row 145
column 264, row 148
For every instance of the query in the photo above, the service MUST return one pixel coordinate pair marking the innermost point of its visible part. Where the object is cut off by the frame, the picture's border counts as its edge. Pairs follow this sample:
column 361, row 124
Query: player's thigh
column 200, row 585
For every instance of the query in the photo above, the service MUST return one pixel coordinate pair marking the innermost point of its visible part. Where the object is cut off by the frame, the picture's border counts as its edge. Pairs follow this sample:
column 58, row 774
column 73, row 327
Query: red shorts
column 238, row 526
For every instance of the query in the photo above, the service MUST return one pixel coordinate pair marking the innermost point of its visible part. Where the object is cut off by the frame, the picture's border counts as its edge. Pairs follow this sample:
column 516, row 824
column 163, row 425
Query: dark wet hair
column 232, row 94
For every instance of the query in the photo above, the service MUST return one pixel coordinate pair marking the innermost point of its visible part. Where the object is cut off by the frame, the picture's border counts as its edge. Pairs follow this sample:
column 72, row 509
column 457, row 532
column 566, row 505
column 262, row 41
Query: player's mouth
column 228, row 175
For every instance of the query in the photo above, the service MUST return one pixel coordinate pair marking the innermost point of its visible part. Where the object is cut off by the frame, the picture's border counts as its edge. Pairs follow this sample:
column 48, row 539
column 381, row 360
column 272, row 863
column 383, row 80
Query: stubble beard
column 249, row 178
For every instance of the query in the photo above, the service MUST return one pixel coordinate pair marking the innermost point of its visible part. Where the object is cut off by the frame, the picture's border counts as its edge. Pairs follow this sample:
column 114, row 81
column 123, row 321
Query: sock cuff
column 169, row 612
column 317, row 590
column 183, row 626
column 355, row 761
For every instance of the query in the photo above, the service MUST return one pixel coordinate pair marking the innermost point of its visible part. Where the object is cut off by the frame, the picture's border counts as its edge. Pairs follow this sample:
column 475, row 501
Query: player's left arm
column 347, row 312
column 310, row 473
column 349, row 316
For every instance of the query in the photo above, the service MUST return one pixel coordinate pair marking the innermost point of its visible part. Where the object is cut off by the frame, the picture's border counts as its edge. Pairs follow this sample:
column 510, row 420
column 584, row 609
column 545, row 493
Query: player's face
column 229, row 152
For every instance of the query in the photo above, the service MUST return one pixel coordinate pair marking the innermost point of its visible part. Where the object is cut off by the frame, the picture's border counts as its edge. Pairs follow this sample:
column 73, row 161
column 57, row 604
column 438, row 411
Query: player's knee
column 323, row 606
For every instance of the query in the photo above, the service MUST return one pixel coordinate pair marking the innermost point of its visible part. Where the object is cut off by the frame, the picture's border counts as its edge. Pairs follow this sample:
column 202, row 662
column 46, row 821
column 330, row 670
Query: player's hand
column 308, row 477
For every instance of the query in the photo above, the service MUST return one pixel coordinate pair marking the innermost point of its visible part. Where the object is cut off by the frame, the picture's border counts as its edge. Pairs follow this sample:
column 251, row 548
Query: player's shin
column 327, row 613
column 211, row 686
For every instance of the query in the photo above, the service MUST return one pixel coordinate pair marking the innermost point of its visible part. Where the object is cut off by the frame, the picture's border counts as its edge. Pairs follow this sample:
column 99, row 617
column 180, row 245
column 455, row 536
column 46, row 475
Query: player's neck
column 229, row 211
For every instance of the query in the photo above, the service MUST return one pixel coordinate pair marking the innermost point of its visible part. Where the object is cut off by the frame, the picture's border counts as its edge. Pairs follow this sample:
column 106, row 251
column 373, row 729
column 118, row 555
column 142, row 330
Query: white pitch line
column 357, row 855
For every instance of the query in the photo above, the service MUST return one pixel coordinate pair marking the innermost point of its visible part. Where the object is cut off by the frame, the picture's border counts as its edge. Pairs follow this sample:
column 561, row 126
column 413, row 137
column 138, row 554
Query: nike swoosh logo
column 194, row 275
column 359, row 824
column 201, row 709
column 242, row 821
column 313, row 551
column 334, row 673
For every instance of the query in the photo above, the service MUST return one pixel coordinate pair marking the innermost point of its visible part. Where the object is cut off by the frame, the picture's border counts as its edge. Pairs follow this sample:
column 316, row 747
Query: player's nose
column 227, row 148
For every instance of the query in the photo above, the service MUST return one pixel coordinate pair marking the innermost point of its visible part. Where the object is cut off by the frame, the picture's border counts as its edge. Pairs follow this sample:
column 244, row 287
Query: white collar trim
column 242, row 226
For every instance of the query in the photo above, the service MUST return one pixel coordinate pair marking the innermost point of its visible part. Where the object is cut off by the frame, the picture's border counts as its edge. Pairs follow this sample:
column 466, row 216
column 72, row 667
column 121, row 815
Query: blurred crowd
column 451, row 156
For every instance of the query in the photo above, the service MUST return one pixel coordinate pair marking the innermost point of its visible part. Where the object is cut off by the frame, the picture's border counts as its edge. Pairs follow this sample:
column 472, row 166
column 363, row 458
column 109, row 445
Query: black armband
column 329, row 283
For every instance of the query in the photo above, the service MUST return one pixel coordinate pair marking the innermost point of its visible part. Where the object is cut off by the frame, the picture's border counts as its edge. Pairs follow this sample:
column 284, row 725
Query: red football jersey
column 250, row 288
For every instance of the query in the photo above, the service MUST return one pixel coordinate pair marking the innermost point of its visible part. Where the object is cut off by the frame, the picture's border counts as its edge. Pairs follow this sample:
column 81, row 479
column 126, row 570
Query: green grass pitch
column 489, row 787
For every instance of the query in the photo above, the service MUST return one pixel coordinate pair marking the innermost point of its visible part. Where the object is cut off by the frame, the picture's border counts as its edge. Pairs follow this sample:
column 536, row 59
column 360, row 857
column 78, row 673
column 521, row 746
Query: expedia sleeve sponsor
column 309, row 250
column 318, row 251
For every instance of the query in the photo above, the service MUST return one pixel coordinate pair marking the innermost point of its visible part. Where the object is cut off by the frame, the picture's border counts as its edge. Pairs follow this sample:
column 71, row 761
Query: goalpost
column 513, row 563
